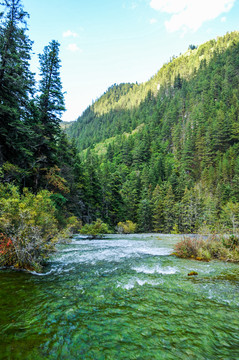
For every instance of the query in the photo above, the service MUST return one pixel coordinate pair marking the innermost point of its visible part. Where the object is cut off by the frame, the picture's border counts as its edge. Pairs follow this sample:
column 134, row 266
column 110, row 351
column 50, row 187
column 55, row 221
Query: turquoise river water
column 122, row 297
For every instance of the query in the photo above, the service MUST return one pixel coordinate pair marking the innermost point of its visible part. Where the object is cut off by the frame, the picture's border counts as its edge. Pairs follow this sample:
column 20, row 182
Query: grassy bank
column 218, row 247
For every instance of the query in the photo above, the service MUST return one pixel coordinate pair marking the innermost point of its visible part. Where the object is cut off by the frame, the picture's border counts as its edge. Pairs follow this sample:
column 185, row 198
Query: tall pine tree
column 50, row 100
column 16, row 83
column 48, row 111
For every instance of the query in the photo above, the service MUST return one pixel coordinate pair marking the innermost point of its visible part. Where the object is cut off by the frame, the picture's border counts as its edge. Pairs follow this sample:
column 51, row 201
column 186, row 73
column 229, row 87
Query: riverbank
column 30, row 226
column 225, row 248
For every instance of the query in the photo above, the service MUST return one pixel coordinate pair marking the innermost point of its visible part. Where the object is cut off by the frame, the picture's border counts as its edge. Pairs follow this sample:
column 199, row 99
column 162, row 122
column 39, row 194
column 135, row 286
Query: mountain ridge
column 128, row 97
column 180, row 170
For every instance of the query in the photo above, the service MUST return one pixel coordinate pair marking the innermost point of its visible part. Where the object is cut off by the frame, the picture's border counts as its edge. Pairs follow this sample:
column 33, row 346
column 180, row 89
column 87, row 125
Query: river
column 122, row 297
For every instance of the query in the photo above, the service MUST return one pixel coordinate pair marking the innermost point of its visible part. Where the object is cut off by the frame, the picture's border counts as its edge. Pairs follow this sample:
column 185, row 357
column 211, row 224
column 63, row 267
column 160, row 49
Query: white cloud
column 223, row 19
column 169, row 6
column 191, row 14
column 152, row 21
column 70, row 33
column 73, row 47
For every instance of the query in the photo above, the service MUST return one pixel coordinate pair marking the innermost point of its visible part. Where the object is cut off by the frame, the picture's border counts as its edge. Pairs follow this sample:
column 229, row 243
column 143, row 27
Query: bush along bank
column 29, row 228
column 224, row 248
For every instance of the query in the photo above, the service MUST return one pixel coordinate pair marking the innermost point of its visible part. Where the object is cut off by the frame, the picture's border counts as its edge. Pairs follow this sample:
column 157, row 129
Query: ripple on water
column 121, row 298
column 156, row 270
column 138, row 282
column 92, row 251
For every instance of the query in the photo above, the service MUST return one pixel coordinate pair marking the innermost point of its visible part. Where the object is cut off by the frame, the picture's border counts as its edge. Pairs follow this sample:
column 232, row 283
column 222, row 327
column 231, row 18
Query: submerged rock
column 192, row 273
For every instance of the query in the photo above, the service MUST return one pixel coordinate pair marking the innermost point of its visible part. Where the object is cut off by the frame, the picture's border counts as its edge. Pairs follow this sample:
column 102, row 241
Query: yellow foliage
column 56, row 182
column 127, row 227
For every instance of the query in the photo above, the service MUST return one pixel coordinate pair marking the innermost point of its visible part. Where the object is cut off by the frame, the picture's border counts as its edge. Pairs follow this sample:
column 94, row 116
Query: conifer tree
column 50, row 100
column 145, row 215
column 16, row 82
column 47, row 111
column 158, row 209
column 169, row 210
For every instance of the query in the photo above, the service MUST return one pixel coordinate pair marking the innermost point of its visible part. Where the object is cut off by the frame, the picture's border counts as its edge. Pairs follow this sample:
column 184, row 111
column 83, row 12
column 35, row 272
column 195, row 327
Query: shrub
column 127, row 227
column 72, row 225
column 7, row 253
column 95, row 229
column 203, row 254
column 230, row 216
column 188, row 247
column 232, row 242
column 213, row 247
column 28, row 227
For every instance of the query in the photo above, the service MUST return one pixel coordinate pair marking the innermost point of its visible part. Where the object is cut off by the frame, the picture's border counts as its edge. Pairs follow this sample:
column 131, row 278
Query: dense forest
column 34, row 151
column 40, row 171
column 164, row 154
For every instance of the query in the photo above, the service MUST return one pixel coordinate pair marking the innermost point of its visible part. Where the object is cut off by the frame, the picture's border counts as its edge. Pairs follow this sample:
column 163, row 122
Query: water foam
column 156, row 270
column 134, row 282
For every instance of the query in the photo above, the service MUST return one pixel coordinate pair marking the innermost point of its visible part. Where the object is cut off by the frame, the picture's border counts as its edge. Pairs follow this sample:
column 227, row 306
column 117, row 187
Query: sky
column 104, row 42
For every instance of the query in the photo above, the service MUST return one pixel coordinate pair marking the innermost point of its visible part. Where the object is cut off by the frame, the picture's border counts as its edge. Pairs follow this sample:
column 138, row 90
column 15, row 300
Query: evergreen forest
column 40, row 171
column 119, row 231
column 162, row 154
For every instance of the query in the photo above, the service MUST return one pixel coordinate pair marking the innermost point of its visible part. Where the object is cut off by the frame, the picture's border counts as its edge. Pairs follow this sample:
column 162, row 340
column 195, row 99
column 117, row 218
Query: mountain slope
column 180, row 168
column 111, row 114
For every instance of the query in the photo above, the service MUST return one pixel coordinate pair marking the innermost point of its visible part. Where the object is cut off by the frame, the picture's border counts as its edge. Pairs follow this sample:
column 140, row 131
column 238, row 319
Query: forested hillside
column 164, row 154
column 40, row 175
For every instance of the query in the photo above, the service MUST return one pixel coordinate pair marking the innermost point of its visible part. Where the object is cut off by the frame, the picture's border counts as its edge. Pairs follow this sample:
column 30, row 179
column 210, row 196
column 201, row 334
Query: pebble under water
column 122, row 297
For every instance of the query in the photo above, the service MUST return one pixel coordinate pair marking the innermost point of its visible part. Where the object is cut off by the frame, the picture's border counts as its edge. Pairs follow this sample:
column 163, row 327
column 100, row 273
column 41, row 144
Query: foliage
column 51, row 99
column 127, row 227
column 188, row 247
column 230, row 216
column 29, row 222
column 222, row 248
column 16, row 82
column 55, row 181
column 95, row 229
column 72, row 226
column 34, row 152
column 29, row 228
column 7, row 251
column 165, row 153
column 192, row 47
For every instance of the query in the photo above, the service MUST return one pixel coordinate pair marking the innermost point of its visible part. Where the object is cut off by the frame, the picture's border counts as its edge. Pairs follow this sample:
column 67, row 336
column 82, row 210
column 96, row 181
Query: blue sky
column 112, row 41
